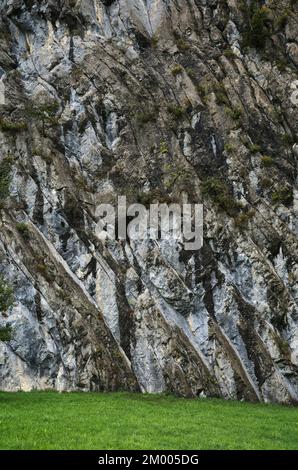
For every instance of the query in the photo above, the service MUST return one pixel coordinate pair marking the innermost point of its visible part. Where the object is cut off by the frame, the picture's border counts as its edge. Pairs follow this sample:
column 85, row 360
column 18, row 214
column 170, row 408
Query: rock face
column 158, row 100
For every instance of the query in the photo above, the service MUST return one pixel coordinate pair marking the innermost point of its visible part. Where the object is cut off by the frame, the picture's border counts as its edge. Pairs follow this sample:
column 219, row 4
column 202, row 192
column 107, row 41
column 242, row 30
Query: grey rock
column 100, row 109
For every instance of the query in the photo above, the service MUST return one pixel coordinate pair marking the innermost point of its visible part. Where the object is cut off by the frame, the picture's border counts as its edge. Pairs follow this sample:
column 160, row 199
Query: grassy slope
column 48, row 420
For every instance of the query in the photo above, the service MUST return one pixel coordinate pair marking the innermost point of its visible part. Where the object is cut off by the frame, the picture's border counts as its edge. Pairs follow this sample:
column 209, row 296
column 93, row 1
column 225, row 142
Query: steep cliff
column 158, row 100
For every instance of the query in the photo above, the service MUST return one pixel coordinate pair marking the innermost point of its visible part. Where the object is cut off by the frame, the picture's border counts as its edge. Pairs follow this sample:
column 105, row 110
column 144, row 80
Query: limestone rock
column 156, row 100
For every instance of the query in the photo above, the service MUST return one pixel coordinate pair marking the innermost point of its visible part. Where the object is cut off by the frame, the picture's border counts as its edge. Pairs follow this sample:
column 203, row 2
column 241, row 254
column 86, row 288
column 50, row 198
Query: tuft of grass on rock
column 177, row 70
column 230, row 148
column 5, row 177
column 23, row 229
column 217, row 190
column 176, row 111
column 163, row 148
column 7, row 125
column 145, row 116
column 267, row 161
column 266, row 182
column 5, row 333
column 283, row 195
column 254, row 148
column 6, row 295
column 258, row 25
column 234, row 113
column 241, row 221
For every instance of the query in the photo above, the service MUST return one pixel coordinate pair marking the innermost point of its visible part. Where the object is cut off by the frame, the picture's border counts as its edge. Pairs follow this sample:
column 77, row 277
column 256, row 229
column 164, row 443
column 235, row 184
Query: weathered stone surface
column 150, row 99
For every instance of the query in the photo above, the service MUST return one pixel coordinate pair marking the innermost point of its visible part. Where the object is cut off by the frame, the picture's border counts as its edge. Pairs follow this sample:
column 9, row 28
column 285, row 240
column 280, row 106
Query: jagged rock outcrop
column 158, row 100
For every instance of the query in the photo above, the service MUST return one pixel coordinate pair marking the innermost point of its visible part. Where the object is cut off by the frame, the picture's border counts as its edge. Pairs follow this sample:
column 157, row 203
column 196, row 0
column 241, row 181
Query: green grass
column 49, row 420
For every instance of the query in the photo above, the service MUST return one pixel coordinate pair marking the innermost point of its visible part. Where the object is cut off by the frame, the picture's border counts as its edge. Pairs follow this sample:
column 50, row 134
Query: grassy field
column 49, row 420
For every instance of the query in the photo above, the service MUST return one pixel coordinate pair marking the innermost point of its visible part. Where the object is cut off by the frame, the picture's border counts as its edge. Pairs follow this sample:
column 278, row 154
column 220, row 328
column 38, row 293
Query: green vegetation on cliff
column 6, row 295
